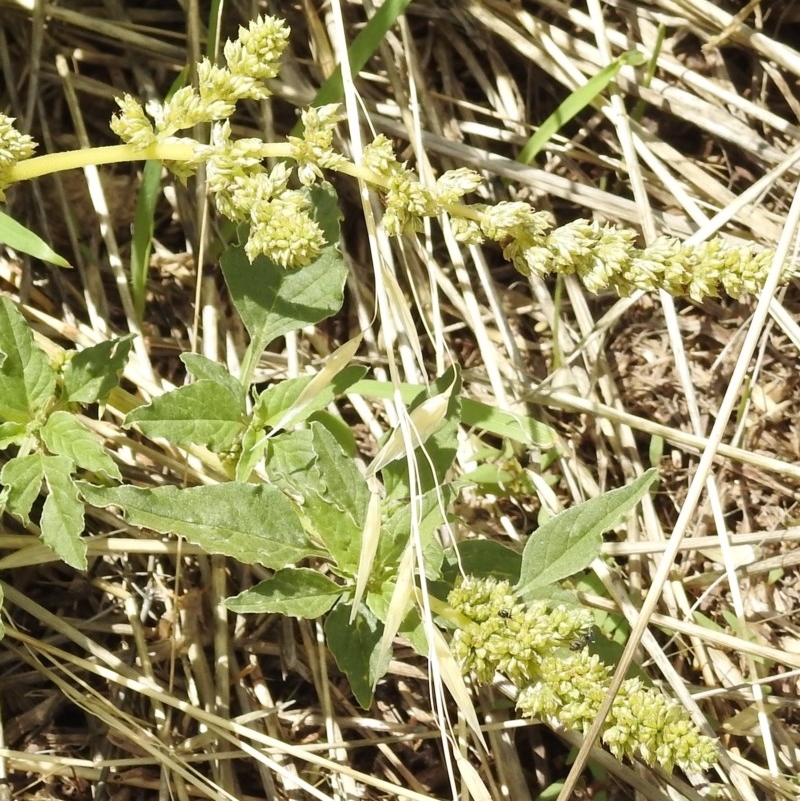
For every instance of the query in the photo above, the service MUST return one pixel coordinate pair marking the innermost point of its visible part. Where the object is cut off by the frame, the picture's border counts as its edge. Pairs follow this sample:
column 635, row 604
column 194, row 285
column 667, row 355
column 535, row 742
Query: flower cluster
column 603, row 256
column 251, row 59
column 644, row 721
column 275, row 205
column 407, row 200
column 14, row 147
column 280, row 223
column 314, row 151
column 506, row 635
column 534, row 646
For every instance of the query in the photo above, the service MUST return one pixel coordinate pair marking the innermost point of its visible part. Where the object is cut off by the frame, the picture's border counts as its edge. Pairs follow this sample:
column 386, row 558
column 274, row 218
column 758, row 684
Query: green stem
column 74, row 159
column 249, row 363
column 168, row 150
column 447, row 612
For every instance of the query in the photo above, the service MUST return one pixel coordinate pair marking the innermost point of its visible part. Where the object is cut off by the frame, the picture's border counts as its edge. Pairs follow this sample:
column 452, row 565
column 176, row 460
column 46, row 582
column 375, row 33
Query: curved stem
column 74, row 159
column 444, row 610
column 168, row 150
column 181, row 150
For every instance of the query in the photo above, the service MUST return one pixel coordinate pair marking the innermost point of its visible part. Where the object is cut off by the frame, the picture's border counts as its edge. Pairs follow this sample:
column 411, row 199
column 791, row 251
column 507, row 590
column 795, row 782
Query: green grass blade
column 364, row 45
column 17, row 236
column 575, row 103
column 144, row 220
column 143, row 228
column 518, row 428
column 214, row 18
column 649, row 72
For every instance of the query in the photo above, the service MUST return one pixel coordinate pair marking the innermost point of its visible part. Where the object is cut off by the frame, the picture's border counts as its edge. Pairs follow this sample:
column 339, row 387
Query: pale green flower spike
column 533, row 646
column 256, row 54
column 314, row 151
column 505, row 634
column 605, row 257
column 132, row 125
column 14, row 147
column 282, row 229
column 251, row 60
column 379, row 157
column 281, row 226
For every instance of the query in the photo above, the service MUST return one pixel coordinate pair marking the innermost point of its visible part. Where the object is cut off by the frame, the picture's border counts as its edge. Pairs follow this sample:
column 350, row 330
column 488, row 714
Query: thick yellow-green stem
column 183, row 150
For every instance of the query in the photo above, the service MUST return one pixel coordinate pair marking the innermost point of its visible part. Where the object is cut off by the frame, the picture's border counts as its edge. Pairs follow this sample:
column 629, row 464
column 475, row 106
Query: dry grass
column 132, row 682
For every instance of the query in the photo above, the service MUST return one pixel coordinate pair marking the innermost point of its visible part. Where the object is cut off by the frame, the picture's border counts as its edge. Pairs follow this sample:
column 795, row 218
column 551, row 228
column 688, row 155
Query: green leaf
column 273, row 403
column 359, row 52
column 355, row 648
column 345, row 487
column 518, row 428
column 291, row 462
column 12, row 434
column 311, row 463
column 21, row 478
column 254, row 523
column 295, row 591
column 490, row 476
column 411, row 628
column 64, row 435
column 326, row 211
column 272, row 300
column 2, row 627
column 62, row 521
column 146, row 205
column 27, row 381
column 435, row 456
column 568, row 542
column 340, row 429
column 253, row 444
column 93, row 372
column 576, row 102
column 22, row 239
column 142, row 232
column 483, row 559
column 203, row 413
column 397, row 529
column 201, row 367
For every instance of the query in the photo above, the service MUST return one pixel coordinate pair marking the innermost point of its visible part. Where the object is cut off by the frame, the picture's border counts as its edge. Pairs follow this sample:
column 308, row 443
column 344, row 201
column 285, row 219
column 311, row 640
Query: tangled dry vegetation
column 705, row 137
